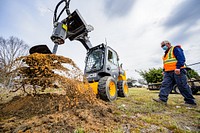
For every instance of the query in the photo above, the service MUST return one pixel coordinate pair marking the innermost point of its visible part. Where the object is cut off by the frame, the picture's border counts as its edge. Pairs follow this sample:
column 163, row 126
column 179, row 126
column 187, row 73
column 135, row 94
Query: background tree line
column 10, row 49
column 154, row 75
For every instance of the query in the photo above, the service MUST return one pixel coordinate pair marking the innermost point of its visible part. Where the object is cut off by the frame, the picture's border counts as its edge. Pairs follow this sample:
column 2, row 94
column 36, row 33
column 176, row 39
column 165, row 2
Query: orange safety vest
column 169, row 60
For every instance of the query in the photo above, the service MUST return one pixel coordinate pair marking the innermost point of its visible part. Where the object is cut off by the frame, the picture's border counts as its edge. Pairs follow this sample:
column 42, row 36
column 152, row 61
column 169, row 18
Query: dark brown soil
column 74, row 108
column 51, row 113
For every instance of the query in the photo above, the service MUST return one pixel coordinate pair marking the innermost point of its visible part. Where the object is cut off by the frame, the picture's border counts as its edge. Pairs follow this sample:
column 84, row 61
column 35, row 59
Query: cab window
column 112, row 57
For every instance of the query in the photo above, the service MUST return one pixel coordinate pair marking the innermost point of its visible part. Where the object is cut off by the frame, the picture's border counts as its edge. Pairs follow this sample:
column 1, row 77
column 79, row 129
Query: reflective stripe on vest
column 170, row 60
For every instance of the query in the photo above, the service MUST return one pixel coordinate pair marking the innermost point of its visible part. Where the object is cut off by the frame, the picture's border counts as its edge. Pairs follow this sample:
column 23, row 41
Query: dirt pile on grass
column 44, row 71
column 48, row 70
column 51, row 113
column 70, row 105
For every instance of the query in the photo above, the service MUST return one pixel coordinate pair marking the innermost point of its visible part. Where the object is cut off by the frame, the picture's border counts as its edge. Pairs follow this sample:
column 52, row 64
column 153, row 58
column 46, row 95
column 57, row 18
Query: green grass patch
column 146, row 113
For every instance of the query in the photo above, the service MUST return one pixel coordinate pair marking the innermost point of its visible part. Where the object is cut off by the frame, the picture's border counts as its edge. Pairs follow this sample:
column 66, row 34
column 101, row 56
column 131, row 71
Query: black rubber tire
column 122, row 88
column 194, row 90
column 107, row 88
column 176, row 89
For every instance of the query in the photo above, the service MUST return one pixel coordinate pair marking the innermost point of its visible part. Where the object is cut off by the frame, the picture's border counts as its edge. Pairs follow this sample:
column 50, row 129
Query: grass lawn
column 142, row 114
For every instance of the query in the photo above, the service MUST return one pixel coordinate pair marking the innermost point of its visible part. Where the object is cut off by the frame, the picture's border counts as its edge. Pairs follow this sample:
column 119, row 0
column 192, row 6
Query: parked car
column 137, row 85
column 130, row 84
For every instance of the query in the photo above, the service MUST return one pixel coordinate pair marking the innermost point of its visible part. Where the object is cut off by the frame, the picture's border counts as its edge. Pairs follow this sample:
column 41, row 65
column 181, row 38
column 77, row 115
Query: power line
column 193, row 64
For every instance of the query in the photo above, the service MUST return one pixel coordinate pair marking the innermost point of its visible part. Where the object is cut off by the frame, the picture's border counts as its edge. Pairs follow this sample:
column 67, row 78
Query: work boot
column 193, row 105
column 160, row 101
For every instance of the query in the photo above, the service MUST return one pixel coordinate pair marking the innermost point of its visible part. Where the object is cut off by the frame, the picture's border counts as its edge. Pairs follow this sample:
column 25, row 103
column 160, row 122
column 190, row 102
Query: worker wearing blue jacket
column 174, row 73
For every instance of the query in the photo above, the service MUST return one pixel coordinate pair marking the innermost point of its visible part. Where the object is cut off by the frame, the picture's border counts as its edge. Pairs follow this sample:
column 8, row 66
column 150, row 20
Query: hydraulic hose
column 55, row 19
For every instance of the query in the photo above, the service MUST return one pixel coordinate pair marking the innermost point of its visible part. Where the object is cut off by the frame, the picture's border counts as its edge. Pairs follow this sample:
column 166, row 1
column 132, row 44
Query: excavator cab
column 105, row 76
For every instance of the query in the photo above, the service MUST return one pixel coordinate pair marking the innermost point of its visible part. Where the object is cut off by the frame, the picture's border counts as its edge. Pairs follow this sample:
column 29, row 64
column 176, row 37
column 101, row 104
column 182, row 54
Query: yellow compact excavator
column 102, row 70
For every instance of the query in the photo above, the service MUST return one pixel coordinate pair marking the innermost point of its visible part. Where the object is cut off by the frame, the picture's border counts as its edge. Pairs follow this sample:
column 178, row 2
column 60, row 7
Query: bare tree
column 10, row 49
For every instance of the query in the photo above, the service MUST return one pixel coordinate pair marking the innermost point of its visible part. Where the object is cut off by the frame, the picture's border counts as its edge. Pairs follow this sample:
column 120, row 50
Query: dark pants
column 170, row 79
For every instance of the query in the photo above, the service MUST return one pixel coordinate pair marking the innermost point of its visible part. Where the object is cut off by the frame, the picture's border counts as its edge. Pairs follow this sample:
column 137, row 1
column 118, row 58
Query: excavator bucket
column 42, row 49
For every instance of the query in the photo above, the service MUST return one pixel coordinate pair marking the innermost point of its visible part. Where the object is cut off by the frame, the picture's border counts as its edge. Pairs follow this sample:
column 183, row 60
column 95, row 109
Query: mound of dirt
column 44, row 71
column 47, row 70
column 51, row 113
column 74, row 107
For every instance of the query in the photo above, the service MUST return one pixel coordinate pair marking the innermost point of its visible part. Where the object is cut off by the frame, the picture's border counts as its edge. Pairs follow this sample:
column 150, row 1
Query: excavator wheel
column 122, row 88
column 107, row 88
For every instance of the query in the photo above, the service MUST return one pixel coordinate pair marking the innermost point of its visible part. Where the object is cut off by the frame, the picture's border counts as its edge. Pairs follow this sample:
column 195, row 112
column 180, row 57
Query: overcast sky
column 134, row 28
